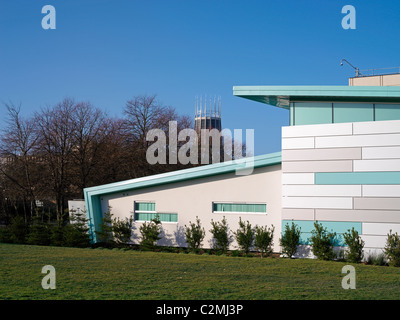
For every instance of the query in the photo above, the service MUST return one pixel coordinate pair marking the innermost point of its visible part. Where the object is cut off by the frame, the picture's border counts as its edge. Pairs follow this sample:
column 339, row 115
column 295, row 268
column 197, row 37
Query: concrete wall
column 194, row 198
column 77, row 205
column 344, row 175
column 380, row 80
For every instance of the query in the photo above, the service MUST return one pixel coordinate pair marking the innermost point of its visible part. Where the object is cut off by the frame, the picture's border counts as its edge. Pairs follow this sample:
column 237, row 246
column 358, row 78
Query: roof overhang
column 281, row 96
column 187, row 174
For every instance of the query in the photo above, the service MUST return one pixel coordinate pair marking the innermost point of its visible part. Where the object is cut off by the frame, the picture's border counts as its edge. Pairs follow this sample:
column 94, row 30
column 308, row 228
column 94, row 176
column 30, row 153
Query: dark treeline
column 51, row 156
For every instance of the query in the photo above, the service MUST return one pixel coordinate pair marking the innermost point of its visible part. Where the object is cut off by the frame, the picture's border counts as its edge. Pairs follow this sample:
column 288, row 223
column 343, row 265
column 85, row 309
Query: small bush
column 244, row 236
column 322, row 242
column 355, row 245
column 150, row 232
column 105, row 234
column 39, row 233
column 264, row 239
column 376, row 259
column 235, row 253
column 194, row 234
column 290, row 240
column 221, row 237
column 57, row 235
column 392, row 249
column 18, row 230
column 122, row 230
column 6, row 235
column 76, row 234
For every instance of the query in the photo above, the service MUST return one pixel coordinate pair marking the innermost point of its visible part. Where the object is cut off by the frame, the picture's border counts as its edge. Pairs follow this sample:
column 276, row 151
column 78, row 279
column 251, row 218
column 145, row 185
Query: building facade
column 340, row 159
column 339, row 165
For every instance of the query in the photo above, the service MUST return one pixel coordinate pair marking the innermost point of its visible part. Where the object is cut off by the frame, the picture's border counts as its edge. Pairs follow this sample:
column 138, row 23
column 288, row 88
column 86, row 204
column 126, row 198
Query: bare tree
column 18, row 143
column 56, row 142
column 67, row 147
column 142, row 114
column 90, row 132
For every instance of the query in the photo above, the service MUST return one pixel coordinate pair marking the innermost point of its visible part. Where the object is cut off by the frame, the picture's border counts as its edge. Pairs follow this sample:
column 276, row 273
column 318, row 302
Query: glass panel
column 387, row 112
column 168, row 217
column 291, row 113
column 164, row 217
column 353, row 112
column 144, row 216
column 145, row 206
column 312, row 113
column 240, row 207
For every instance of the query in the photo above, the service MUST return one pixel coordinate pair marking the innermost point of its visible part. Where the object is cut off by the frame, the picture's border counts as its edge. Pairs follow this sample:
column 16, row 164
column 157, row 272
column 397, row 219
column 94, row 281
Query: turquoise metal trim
column 93, row 214
column 340, row 227
column 187, row 174
column 281, row 96
column 354, row 178
column 92, row 194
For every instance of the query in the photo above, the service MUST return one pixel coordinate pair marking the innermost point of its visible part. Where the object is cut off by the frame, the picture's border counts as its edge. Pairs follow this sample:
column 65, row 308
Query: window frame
column 239, row 203
column 155, row 212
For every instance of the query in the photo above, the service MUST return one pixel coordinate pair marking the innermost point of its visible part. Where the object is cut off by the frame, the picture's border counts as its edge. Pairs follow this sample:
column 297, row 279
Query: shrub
column 235, row 253
column 264, row 239
column 105, row 234
column 290, row 240
column 244, row 236
column 392, row 249
column 221, row 237
column 376, row 259
column 122, row 230
column 322, row 242
column 150, row 232
column 39, row 233
column 194, row 234
column 18, row 230
column 5, row 235
column 355, row 245
column 76, row 234
column 57, row 235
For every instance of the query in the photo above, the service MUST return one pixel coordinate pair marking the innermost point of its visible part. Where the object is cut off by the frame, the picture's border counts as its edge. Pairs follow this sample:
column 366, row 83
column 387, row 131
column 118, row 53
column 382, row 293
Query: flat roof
column 281, row 96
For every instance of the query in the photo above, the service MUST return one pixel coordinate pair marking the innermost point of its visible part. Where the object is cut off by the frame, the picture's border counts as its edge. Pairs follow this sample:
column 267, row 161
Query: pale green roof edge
column 281, row 96
column 186, row 174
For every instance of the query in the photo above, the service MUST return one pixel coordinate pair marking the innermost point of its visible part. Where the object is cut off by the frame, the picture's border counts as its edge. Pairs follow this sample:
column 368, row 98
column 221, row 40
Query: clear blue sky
column 107, row 52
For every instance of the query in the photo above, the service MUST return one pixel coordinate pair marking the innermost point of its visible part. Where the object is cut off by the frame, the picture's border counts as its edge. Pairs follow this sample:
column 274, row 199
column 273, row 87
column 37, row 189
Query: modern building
column 339, row 165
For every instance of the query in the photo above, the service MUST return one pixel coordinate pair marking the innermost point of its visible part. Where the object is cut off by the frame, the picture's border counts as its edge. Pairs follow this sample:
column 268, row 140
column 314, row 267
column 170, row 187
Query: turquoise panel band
column 307, row 226
column 388, row 177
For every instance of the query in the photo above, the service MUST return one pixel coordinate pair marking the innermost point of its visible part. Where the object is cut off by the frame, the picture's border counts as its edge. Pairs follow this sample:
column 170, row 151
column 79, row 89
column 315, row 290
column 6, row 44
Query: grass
column 105, row 274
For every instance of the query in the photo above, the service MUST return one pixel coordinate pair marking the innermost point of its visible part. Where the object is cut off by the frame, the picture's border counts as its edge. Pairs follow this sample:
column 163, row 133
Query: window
column 231, row 207
column 146, row 211
column 387, row 112
column 145, row 206
column 311, row 113
column 168, row 217
column 353, row 112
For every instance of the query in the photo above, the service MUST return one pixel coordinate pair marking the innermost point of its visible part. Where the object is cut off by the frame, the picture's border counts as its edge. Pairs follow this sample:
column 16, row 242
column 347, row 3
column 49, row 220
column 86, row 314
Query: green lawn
column 116, row 274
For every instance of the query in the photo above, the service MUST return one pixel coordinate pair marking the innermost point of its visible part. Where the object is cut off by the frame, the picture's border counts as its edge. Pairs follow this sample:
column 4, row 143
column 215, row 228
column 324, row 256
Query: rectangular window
column 239, row 207
column 146, row 211
column 387, row 112
column 164, row 217
column 311, row 113
column 145, row 206
column 353, row 112
column 168, row 217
